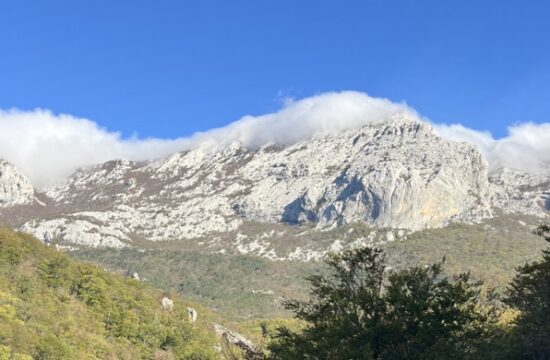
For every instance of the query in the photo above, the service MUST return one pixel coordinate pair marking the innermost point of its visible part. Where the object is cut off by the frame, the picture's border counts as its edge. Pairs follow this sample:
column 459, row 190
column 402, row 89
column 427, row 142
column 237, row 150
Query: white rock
column 15, row 189
column 514, row 191
column 167, row 304
column 192, row 313
column 237, row 339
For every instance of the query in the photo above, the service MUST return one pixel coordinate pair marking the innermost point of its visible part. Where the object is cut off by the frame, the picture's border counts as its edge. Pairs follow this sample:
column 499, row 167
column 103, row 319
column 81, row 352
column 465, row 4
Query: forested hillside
column 53, row 307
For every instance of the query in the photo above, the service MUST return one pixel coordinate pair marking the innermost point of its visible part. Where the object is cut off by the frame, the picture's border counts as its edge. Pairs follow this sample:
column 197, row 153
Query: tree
column 529, row 293
column 362, row 310
column 90, row 286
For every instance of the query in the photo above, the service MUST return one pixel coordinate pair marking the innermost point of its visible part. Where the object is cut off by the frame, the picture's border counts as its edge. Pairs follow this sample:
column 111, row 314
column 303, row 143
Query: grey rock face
column 397, row 174
column 15, row 189
column 514, row 191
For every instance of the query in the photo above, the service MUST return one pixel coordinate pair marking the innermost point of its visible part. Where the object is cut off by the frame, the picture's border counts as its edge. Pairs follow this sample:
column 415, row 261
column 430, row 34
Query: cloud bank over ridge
column 526, row 147
column 48, row 147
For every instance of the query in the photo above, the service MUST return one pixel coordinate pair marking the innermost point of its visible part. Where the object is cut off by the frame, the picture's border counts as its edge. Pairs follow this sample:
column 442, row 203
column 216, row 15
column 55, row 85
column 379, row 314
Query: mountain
column 237, row 227
column 396, row 174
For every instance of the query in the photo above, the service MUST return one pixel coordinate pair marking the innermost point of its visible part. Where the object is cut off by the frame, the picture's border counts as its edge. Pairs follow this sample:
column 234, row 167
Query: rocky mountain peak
column 15, row 188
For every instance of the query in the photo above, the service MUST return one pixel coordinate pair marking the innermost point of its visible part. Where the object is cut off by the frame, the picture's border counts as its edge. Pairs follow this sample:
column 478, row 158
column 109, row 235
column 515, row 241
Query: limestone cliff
column 15, row 189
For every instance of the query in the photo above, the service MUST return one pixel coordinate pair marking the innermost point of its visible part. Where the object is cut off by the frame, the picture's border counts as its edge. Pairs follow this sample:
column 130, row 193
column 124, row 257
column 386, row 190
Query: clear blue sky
column 169, row 68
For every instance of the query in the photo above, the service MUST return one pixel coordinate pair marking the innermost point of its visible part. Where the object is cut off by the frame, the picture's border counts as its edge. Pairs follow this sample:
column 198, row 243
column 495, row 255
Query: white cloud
column 328, row 113
column 48, row 147
column 526, row 147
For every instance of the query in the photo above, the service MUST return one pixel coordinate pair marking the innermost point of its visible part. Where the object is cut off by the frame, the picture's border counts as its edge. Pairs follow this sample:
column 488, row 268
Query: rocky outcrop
column 515, row 191
column 193, row 314
column 397, row 174
column 15, row 189
column 233, row 338
column 167, row 304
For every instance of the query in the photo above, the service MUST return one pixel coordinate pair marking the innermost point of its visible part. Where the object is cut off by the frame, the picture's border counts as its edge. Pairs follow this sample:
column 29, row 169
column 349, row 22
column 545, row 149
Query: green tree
column 529, row 293
column 55, row 271
column 90, row 286
column 363, row 310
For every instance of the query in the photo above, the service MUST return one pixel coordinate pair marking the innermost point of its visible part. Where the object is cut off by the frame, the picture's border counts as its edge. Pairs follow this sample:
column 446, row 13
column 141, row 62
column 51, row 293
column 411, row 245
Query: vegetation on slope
column 247, row 287
column 53, row 307
column 490, row 251
column 239, row 286
column 364, row 310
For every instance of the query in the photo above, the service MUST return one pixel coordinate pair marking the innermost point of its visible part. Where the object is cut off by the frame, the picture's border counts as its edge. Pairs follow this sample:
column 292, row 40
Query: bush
column 55, row 272
column 7, row 354
column 90, row 287
column 54, row 348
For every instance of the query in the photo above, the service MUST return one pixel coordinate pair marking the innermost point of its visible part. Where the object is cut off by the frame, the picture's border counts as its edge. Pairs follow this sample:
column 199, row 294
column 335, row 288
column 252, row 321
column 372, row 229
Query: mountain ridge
column 396, row 174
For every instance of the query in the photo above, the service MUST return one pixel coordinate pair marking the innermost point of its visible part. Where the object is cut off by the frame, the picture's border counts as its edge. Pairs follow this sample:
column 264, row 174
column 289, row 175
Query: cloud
column 48, row 147
column 526, row 147
column 327, row 113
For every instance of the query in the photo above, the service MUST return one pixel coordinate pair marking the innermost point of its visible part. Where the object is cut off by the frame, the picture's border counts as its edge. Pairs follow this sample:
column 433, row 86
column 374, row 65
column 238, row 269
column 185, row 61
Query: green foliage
column 90, row 286
column 490, row 250
column 234, row 284
column 529, row 293
column 54, row 271
column 364, row 311
column 7, row 354
column 52, row 307
column 7, row 310
column 53, row 347
column 239, row 286
column 17, row 356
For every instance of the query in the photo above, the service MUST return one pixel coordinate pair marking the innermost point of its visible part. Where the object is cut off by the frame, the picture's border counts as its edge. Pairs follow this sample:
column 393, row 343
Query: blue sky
column 169, row 68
